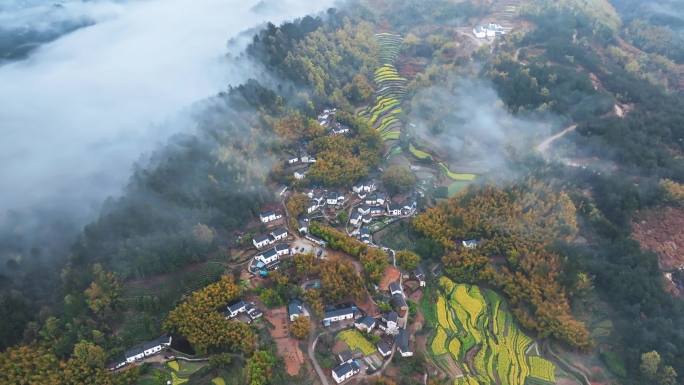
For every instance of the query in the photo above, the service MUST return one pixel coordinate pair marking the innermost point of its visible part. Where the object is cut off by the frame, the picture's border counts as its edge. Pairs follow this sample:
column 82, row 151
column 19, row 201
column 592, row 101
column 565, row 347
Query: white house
column 470, row 243
column 356, row 219
column 403, row 343
column 395, row 288
column 364, row 209
column 282, row 250
column 300, row 174
column 340, row 130
column 261, row 241
column 306, row 158
column 143, row 350
column 365, row 324
column 366, row 186
column 394, row 209
column 303, row 225
column 338, row 315
column 345, row 371
column 292, row 159
column 269, row 216
column 279, row 234
column 296, row 309
column 236, row 308
column 385, row 348
column 269, row 256
column 312, row 206
column 366, row 219
column 377, row 211
column 390, row 321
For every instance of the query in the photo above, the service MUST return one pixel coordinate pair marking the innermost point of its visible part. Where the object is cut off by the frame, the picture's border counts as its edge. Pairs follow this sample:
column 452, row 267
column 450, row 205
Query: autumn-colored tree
column 674, row 192
column 199, row 319
column 338, row 240
column 294, row 127
column 305, row 264
column 203, row 233
column 296, row 204
column 407, row 260
column 300, row 327
column 315, row 301
column 515, row 223
column 374, row 262
column 104, row 293
column 260, row 367
column 340, row 280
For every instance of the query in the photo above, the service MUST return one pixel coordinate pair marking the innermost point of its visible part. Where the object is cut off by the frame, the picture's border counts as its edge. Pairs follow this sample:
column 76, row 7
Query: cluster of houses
column 320, row 198
column 269, row 259
column 142, row 351
column 391, row 326
column 488, row 30
column 376, row 204
column 240, row 307
column 327, row 120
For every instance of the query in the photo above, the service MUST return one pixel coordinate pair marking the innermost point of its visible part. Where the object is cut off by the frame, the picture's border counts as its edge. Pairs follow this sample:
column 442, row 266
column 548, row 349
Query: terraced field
column 390, row 89
column 475, row 329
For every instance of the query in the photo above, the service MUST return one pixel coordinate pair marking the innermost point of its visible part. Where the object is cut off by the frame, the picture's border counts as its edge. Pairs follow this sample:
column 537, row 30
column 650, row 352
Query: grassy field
column 356, row 341
column 468, row 317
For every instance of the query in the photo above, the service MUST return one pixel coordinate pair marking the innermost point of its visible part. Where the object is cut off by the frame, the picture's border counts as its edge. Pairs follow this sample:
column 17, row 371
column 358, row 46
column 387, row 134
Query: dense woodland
column 192, row 195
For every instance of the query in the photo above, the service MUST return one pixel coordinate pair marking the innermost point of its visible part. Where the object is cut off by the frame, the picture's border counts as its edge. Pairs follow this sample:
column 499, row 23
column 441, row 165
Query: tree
column 650, row 362
column 374, row 262
column 407, row 260
column 199, row 320
column 305, row 264
column 90, row 354
column 397, row 179
column 300, row 327
column 203, row 233
column 260, row 367
column 103, row 294
column 340, row 280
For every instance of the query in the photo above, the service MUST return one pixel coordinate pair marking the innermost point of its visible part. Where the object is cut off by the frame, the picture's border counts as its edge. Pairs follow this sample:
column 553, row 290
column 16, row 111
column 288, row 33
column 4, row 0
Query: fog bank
column 80, row 110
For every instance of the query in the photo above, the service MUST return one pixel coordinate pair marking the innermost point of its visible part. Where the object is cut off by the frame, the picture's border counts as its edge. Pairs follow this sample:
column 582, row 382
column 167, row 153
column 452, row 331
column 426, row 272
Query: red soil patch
column 287, row 347
column 392, row 274
column 662, row 231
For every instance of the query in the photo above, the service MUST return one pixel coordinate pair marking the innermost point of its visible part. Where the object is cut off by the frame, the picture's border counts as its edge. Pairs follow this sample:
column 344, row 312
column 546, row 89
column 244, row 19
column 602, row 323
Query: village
column 366, row 336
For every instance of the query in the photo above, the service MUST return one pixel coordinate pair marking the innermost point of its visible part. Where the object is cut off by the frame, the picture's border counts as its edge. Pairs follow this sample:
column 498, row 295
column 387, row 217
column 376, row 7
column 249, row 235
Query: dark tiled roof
column 281, row 247
column 339, row 312
column 384, row 346
column 236, row 306
column 280, row 231
column 261, row 238
column 391, row 316
column 368, row 321
column 294, row 307
column 270, row 253
column 403, row 340
column 343, row 369
column 345, row 356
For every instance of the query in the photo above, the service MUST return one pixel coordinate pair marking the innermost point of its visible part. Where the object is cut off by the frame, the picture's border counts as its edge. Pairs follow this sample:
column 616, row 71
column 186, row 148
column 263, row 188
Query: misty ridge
column 81, row 110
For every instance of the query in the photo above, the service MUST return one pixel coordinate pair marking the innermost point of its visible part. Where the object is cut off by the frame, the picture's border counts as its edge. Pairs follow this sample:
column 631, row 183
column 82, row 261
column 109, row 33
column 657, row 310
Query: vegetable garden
column 473, row 327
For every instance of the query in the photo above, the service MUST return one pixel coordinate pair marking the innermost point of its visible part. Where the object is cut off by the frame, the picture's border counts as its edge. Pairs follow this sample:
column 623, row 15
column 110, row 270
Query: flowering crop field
column 468, row 318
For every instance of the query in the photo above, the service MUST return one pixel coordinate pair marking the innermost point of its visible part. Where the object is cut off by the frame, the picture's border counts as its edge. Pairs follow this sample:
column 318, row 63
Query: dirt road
column 545, row 145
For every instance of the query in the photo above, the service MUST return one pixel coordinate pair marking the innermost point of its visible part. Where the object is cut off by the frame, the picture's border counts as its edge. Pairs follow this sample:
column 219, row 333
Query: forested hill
column 554, row 225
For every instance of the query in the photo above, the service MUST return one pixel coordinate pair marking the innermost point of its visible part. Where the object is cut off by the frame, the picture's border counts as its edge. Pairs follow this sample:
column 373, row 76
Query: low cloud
column 80, row 110
column 467, row 125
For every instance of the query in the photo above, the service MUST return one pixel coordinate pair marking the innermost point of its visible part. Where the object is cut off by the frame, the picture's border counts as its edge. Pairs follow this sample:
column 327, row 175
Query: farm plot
column 472, row 326
column 356, row 341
